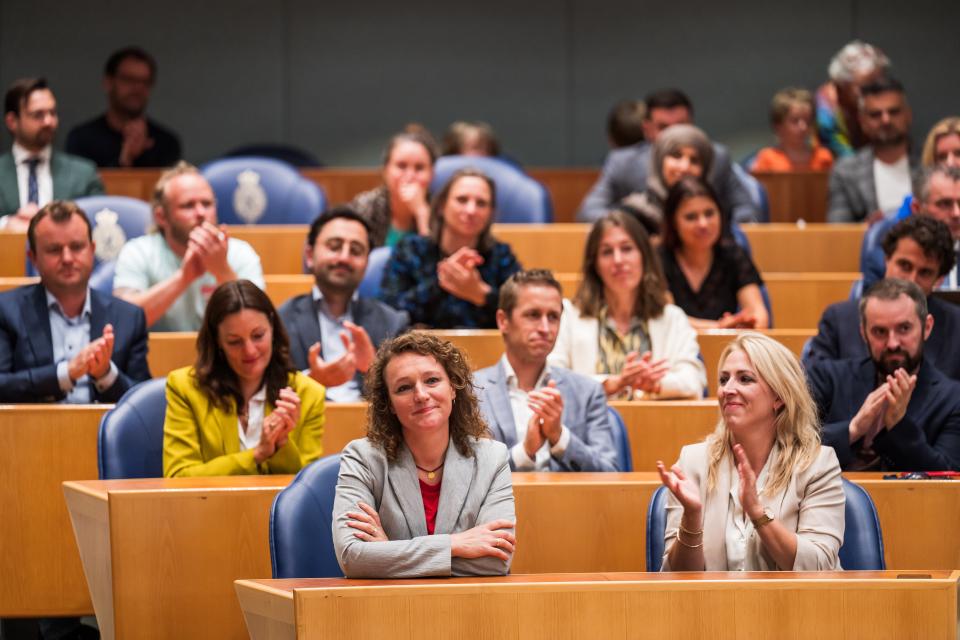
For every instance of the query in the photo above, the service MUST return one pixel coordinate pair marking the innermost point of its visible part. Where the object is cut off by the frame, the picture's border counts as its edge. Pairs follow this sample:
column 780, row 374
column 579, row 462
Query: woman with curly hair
column 243, row 408
column 427, row 492
column 761, row 493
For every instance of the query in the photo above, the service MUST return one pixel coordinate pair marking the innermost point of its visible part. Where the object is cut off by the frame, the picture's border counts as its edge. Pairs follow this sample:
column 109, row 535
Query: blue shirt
column 331, row 346
column 69, row 336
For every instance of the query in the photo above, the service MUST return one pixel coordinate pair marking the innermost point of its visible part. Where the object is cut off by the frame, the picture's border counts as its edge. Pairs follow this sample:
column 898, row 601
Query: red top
column 431, row 499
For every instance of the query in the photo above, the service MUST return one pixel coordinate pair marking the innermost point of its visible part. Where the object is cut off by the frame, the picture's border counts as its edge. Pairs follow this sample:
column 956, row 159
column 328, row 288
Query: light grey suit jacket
column 476, row 490
column 585, row 414
column 853, row 191
column 812, row 505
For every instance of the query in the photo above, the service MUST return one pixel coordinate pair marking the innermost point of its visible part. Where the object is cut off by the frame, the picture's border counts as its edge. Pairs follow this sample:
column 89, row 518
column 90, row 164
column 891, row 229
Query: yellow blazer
column 200, row 439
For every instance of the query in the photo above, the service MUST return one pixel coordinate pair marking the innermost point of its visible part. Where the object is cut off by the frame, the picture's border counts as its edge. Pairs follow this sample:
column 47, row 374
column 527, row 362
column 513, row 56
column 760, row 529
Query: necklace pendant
column 431, row 475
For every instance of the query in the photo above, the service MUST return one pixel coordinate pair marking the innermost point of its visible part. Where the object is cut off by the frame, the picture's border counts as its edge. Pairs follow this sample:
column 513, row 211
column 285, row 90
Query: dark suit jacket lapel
column 36, row 322
column 500, row 405
column 458, row 475
column 9, row 188
column 405, row 484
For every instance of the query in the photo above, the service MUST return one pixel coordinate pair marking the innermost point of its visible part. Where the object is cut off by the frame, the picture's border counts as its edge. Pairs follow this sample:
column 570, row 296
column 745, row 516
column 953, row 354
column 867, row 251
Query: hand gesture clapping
column 683, row 488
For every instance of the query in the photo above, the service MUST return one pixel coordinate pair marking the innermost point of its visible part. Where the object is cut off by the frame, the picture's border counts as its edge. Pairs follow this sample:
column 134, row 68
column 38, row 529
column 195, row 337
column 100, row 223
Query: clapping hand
column 749, row 499
column 93, row 359
column 547, row 406
column 278, row 425
column 458, row 276
column 899, row 390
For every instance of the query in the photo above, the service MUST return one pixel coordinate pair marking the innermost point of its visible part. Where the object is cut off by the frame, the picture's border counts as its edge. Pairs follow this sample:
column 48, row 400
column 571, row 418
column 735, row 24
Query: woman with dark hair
column 710, row 277
column 242, row 408
column 427, row 492
column 400, row 206
column 452, row 278
column 620, row 327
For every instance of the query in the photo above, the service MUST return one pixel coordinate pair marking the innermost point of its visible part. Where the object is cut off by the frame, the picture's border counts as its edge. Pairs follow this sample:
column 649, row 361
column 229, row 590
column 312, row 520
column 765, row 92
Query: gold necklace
column 431, row 473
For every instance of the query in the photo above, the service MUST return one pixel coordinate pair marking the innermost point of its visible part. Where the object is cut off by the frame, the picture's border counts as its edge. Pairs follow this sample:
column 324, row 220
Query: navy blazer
column 299, row 315
column 928, row 437
column 585, row 414
column 27, row 370
column 838, row 336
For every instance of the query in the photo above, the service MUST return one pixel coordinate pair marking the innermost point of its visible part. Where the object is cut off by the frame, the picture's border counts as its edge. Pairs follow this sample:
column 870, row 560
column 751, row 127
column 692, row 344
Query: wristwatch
column 766, row 518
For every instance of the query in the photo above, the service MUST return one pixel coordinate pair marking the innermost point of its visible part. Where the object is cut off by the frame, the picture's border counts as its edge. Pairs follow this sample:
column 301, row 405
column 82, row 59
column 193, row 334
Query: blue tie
column 33, row 189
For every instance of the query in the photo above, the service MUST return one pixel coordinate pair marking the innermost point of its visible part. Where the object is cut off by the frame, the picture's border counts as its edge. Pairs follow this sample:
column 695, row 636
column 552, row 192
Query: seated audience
column 838, row 122
column 124, row 136
column 936, row 194
column 893, row 410
column 452, row 278
column 625, row 123
column 470, row 139
column 33, row 174
column 710, row 276
column 625, row 170
column 171, row 272
column 427, row 492
column 680, row 151
column 334, row 332
column 761, row 493
column 551, row 418
column 942, row 145
column 871, row 184
column 918, row 249
column 61, row 341
column 242, row 408
column 401, row 205
column 792, row 119
column 620, row 327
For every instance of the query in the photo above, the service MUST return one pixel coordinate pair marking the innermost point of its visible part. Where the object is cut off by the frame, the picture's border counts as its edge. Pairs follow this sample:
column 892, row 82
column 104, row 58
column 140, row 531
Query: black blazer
column 299, row 315
column 838, row 336
column 928, row 437
column 27, row 370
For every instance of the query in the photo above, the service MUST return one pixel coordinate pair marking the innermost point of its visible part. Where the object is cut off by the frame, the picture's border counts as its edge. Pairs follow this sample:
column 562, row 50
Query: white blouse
column 739, row 528
column 250, row 438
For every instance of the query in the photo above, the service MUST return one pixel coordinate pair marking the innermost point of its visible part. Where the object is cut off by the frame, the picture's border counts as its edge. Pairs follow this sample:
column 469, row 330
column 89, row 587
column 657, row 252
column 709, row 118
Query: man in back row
column 172, row 272
column 552, row 419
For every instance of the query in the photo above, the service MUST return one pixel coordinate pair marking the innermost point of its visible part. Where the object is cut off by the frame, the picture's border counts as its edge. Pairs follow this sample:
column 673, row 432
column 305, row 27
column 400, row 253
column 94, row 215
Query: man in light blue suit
column 551, row 419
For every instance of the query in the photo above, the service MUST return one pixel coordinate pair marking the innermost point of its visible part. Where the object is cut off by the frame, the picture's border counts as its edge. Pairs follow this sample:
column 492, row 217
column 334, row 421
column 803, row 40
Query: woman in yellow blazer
column 243, row 408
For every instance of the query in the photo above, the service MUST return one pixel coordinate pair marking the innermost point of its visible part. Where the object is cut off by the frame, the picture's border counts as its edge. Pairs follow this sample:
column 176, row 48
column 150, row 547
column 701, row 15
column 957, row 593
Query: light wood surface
column 796, row 195
column 12, row 282
column 812, row 247
column 13, row 253
column 799, row 299
column 282, row 287
column 40, row 447
column 824, row 605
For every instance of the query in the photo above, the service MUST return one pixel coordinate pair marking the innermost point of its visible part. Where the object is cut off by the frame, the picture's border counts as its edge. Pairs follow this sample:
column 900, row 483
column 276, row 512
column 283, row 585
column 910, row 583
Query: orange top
column 774, row 159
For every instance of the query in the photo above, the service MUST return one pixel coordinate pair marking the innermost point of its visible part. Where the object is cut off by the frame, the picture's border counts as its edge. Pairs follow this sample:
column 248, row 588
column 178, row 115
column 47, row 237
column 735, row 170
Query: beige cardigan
column 812, row 505
column 671, row 337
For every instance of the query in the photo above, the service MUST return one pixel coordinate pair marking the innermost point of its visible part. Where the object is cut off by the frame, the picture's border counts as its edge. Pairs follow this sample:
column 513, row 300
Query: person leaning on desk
column 761, row 493
column 427, row 492
column 243, row 408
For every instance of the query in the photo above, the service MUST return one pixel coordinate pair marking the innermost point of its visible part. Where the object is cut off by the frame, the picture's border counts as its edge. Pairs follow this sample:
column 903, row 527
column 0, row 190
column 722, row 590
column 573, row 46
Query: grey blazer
column 812, row 505
column 476, row 490
column 585, row 414
column 853, row 191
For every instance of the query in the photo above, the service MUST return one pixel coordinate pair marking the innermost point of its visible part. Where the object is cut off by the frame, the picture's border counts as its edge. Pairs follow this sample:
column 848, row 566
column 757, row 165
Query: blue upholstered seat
column 130, row 442
column 520, row 198
column 373, row 276
column 621, row 441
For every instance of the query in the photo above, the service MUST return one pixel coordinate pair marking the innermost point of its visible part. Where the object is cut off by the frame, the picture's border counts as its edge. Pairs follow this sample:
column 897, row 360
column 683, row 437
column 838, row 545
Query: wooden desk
column 280, row 247
column 12, row 282
column 608, row 605
column 40, row 447
column 133, row 183
column 796, row 194
column 13, row 253
column 799, row 299
column 813, row 247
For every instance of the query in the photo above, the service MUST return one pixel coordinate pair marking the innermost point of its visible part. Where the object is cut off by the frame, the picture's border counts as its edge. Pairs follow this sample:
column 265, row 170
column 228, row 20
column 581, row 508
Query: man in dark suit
column 918, row 249
column 625, row 170
column 60, row 341
column 892, row 410
column 551, row 418
column 333, row 331
column 32, row 173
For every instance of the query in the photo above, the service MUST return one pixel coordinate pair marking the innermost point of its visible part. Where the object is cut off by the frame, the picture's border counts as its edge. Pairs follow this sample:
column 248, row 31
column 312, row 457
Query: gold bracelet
column 688, row 546
column 690, row 533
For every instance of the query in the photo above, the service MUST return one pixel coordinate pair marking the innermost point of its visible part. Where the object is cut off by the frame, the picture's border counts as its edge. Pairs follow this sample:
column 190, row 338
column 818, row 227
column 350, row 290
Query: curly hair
column 384, row 429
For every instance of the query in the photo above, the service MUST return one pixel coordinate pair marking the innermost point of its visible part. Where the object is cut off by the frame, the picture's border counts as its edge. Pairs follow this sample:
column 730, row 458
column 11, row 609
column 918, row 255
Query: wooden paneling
column 796, row 195
column 799, row 299
column 808, row 248
column 13, row 253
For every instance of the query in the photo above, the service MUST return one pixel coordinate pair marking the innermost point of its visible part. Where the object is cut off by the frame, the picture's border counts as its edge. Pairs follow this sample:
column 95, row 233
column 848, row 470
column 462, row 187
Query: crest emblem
column 249, row 198
column 108, row 235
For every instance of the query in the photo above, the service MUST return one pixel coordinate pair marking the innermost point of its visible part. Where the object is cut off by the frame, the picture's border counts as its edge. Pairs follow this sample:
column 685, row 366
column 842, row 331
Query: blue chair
column 520, row 198
column 130, row 442
column 862, row 548
column 301, row 521
column 113, row 220
column 376, row 265
column 621, row 440
column 256, row 190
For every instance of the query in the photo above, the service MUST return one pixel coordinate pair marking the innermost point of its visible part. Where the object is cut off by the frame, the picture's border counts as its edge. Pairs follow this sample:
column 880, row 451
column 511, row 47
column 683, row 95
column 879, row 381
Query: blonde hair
column 160, row 188
column 797, row 424
column 945, row 127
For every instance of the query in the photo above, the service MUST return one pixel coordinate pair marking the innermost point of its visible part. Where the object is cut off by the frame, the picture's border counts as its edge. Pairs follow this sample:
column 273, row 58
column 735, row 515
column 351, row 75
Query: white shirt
column 250, row 438
column 740, row 527
column 521, row 417
column 892, row 182
column 44, row 177
column 331, row 346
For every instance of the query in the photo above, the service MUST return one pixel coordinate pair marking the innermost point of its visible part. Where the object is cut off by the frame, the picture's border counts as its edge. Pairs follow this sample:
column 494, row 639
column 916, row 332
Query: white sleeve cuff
column 521, row 461
column 563, row 442
column 104, row 383
column 63, row 376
